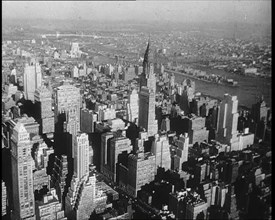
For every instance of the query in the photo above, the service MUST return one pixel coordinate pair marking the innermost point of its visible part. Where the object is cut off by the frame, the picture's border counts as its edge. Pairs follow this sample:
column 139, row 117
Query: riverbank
column 248, row 91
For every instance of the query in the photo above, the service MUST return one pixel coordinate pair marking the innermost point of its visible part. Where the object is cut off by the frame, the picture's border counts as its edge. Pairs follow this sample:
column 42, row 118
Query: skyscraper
column 141, row 171
column 228, row 121
column 68, row 101
column 58, row 178
column 133, row 106
column 75, row 52
column 32, row 80
column 81, row 155
column 4, row 199
column 113, row 144
column 148, row 77
column 45, row 117
column 183, row 148
column 161, row 150
column 147, row 114
column 81, row 179
column 22, row 176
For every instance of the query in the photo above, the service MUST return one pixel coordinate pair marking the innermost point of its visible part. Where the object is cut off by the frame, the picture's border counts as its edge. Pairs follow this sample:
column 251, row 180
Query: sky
column 251, row 11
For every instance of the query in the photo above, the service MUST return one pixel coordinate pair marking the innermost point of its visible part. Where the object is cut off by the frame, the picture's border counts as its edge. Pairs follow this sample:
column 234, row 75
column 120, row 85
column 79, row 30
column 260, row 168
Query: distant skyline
column 254, row 11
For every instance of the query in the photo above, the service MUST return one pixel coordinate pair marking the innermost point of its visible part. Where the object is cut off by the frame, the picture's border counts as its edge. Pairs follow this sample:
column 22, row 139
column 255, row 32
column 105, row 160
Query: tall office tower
column 201, row 105
column 87, row 119
column 81, row 178
column 165, row 125
column 228, row 121
column 133, row 106
column 45, row 115
column 177, row 203
column 231, row 204
column 147, row 114
column 113, row 145
column 86, row 201
column 141, row 170
column 196, row 130
column 58, row 178
column 68, row 101
column 75, row 72
column 81, row 155
column 13, row 78
column 260, row 113
column 49, row 207
column 10, row 90
column 161, row 150
column 80, row 199
column 75, row 50
column 22, row 176
column 30, row 125
column 181, row 152
column 148, row 77
column 200, row 172
column 196, row 208
column 32, row 80
column 219, row 193
column 4, row 199
column 41, row 153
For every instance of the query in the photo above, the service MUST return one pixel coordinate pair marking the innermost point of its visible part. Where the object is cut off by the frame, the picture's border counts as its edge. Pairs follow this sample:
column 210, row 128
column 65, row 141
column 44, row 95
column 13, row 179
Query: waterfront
column 248, row 89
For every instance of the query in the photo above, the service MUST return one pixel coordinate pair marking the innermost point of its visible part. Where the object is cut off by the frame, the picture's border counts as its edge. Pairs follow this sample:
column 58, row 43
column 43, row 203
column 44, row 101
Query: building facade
column 32, row 80
column 22, row 176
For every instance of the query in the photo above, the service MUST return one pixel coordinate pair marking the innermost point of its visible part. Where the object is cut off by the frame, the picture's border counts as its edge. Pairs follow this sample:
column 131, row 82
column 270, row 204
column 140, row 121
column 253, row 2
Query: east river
column 247, row 91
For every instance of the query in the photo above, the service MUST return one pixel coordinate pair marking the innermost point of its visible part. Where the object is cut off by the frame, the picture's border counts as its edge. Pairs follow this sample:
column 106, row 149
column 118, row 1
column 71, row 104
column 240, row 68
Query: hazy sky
column 196, row 11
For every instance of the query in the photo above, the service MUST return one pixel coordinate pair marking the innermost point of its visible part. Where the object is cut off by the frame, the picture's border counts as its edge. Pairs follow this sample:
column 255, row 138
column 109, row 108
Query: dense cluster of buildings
column 128, row 142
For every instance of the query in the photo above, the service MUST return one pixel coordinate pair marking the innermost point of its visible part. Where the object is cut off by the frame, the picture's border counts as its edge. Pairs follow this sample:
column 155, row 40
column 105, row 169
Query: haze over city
column 178, row 11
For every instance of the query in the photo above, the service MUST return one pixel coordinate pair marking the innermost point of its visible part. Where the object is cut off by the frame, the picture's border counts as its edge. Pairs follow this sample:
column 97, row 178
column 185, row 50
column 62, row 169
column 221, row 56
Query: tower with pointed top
column 22, row 175
column 148, row 77
column 147, row 116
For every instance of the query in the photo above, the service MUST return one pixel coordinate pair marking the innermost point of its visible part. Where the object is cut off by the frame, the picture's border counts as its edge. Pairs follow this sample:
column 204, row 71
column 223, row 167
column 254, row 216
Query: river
column 247, row 90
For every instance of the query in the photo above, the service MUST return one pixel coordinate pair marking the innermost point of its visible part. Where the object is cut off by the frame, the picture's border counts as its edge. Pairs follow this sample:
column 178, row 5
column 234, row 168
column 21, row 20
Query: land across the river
column 248, row 91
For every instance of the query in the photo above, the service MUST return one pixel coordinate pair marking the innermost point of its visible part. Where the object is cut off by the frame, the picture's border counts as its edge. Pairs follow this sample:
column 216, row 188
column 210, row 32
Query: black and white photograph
column 136, row 110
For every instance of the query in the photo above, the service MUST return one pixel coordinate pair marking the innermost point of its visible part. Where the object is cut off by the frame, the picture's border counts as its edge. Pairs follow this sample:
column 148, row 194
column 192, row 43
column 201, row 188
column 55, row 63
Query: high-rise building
column 75, row 72
column 197, row 130
column 87, row 120
column 147, row 114
column 128, row 73
column 161, row 150
column 45, row 114
column 113, row 145
column 181, row 151
column 81, row 179
column 81, row 155
column 41, row 157
column 246, row 139
column 141, row 170
column 4, row 199
column 70, row 105
column 148, row 77
column 80, row 199
column 133, row 106
column 22, row 176
column 165, row 125
column 58, row 178
column 30, row 125
column 49, row 207
column 260, row 113
column 196, row 209
column 75, row 51
column 32, row 80
column 228, row 122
